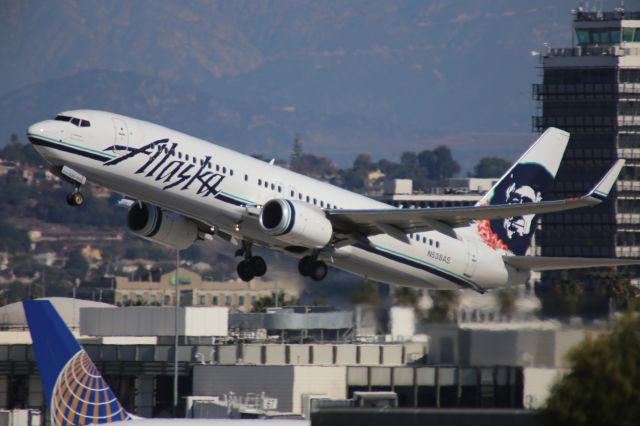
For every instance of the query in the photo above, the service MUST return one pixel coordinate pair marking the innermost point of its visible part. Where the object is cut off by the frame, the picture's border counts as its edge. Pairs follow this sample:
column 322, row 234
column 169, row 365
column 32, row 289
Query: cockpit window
column 73, row 120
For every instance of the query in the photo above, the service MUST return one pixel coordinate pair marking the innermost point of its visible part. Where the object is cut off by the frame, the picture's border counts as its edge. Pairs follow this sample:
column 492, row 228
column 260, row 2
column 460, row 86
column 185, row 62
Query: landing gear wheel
column 245, row 271
column 258, row 266
column 304, row 266
column 75, row 198
column 318, row 270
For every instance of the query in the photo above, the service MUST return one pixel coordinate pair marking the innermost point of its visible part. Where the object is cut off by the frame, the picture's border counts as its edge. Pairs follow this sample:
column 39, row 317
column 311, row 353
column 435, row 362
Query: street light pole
column 175, row 343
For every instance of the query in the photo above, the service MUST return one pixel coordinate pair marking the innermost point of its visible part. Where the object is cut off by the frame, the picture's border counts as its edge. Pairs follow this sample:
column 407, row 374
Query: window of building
column 138, row 298
column 125, row 299
column 167, row 299
column 254, row 299
column 201, row 300
column 227, row 300
column 214, row 301
column 153, row 299
column 240, row 300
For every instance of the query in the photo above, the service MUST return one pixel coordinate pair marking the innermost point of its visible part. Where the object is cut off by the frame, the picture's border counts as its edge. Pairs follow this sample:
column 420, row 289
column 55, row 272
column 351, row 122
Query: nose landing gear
column 310, row 266
column 251, row 266
column 75, row 198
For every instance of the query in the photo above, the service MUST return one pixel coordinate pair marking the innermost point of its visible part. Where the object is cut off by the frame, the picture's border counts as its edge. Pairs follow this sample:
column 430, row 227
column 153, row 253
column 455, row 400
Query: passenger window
column 246, row 178
column 292, row 195
column 308, row 199
column 279, row 189
column 217, row 167
column 224, row 170
column 259, row 182
column 424, row 240
column 315, row 201
column 186, row 157
column 266, row 184
column 430, row 242
column 299, row 196
column 321, row 203
column 437, row 244
column 230, row 172
column 273, row 187
column 194, row 160
column 179, row 155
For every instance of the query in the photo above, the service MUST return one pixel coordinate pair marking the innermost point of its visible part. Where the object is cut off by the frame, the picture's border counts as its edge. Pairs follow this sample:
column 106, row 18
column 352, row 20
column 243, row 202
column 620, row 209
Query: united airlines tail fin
column 75, row 391
column 528, row 180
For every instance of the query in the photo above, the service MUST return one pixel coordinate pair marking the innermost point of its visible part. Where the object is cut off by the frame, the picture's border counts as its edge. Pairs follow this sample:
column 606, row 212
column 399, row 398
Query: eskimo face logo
column 526, row 183
column 162, row 165
column 81, row 396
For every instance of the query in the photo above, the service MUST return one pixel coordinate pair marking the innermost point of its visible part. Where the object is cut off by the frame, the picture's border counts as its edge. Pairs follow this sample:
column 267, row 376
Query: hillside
column 378, row 77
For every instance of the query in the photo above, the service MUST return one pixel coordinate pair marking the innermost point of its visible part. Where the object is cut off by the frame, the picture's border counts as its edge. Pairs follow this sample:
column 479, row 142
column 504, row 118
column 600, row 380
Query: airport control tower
column 592, row 90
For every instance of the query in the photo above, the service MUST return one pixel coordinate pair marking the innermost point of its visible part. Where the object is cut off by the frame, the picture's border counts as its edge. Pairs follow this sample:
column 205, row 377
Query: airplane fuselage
column 223, row 189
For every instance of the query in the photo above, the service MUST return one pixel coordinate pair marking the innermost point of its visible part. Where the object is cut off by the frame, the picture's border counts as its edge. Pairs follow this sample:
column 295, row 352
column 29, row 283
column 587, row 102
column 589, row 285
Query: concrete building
column 591, row 90
column 195, row 291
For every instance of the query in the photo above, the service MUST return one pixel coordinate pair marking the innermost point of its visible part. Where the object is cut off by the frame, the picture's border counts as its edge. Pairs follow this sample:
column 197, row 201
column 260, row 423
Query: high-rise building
column 592, row 90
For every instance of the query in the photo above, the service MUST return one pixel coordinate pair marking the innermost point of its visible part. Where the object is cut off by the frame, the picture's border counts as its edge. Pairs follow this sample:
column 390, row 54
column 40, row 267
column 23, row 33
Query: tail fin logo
column 81, row 396
column 525, row 183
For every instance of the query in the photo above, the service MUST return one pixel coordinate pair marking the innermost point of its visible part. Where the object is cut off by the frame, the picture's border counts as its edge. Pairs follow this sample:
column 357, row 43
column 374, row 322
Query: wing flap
column 541, row 263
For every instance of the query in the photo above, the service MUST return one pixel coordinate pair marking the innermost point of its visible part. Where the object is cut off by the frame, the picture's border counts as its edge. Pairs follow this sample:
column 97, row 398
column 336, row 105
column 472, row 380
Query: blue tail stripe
column 53, row 343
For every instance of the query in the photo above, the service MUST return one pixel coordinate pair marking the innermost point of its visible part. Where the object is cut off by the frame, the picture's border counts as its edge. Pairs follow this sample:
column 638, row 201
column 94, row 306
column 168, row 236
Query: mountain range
column 378, row 77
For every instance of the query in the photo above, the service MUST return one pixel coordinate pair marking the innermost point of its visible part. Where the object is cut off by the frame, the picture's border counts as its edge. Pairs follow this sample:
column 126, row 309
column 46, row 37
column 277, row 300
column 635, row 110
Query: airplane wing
column 397, row 222
column 540, row 263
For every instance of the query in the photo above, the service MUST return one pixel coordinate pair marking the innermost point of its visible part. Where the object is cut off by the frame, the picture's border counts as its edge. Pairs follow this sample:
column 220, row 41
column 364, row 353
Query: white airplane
column 75, row 391
column 188, row 189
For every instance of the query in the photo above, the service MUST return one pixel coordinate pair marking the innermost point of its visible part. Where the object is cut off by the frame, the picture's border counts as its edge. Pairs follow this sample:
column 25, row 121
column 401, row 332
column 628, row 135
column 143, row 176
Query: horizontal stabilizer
column 541, row 263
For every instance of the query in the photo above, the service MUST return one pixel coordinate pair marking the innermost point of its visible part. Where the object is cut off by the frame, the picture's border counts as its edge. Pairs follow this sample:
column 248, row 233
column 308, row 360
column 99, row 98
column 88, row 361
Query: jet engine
column 296, row 223
column 170, row 229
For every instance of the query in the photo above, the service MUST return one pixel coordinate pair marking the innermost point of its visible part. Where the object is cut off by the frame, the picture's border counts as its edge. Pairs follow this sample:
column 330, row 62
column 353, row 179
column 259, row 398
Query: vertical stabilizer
column 528, row 180
column 75, row 390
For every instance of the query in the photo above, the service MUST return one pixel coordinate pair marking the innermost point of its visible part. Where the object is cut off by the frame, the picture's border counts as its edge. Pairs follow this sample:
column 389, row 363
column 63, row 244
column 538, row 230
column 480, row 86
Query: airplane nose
column 37, row 130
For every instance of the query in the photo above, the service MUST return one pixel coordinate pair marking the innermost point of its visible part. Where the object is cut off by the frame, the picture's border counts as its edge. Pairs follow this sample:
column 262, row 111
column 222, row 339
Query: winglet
column 76, row 392
column 602, row 189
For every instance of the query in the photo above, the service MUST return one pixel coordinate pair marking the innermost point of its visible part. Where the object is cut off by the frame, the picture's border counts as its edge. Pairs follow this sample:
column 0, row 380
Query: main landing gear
column 251, row 266
column 75, row 197
column 313, row 268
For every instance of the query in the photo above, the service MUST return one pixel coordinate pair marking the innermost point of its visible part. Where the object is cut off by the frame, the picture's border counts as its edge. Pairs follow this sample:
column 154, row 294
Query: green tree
column 13, row 240
column 489, row 167
column 367, row 293
column 406, row 296
column 77, row 266
column 602, row 385
column 265, row 302
column 444, row 303
column 506, row 298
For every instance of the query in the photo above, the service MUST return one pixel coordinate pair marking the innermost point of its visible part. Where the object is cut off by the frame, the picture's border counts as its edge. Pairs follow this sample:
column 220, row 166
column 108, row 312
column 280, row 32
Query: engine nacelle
column 170, row 229
column 296, row 223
